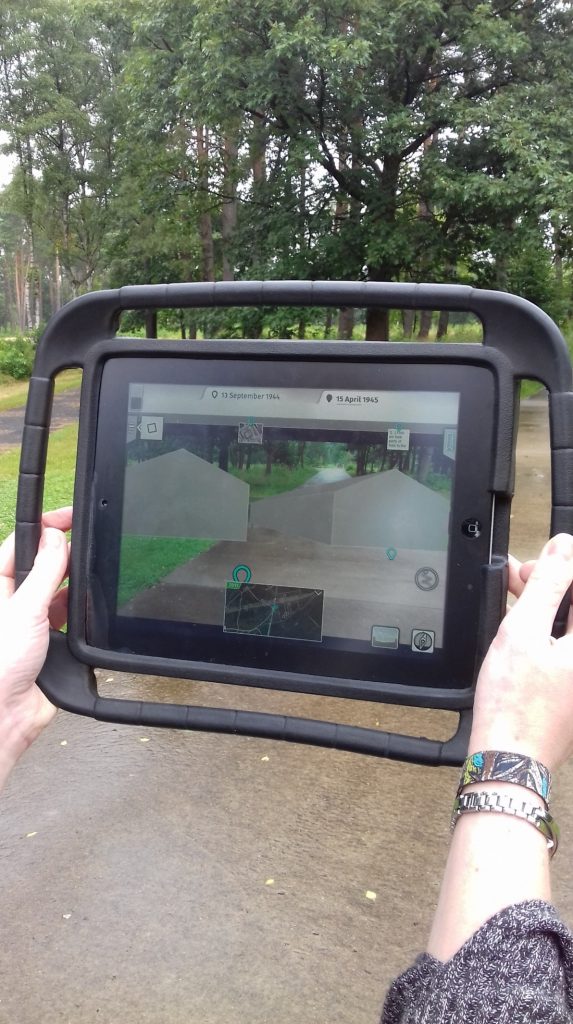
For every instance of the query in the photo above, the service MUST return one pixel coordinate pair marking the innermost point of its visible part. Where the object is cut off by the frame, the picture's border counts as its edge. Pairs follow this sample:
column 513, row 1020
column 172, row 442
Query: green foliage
column 17, row 358
column 272, row 139
column 283, row 478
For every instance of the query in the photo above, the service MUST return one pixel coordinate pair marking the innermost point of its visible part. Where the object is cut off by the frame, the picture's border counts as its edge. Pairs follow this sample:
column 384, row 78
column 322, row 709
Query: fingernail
column 562, row 545
column 51, row 538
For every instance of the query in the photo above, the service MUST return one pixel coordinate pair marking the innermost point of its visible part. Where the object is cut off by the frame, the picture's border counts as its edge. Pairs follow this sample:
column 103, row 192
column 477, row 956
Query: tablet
column 320, row 519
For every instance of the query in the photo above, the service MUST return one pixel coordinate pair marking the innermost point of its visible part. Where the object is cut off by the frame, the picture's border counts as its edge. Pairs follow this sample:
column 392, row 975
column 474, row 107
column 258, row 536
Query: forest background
column 213, row 140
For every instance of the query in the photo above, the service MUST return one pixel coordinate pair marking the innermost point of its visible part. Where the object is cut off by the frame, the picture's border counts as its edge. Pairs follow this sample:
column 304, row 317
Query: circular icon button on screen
column 242, row 574
column 427, row 578
column 423, row 640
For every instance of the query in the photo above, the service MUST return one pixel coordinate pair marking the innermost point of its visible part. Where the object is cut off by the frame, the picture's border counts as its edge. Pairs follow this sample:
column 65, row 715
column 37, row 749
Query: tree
column 363, row 87
column 59, row 63
column 206, row 140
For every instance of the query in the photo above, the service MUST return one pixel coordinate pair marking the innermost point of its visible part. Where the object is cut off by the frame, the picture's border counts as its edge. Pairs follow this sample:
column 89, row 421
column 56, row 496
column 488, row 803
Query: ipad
column 311, row 518
column 321, row 517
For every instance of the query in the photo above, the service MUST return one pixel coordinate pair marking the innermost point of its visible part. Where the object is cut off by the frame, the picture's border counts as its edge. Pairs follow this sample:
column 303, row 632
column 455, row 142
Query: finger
column 515, row 583
column 38, row 589
column 58, row 612
column 7, row 566
column 60, row 518
column 526, row 570
column 548, row 580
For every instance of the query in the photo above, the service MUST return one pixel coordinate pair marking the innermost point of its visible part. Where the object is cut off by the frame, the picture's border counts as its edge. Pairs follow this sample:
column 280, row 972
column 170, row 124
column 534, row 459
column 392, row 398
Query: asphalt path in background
column 160, row 877
column 64, row 411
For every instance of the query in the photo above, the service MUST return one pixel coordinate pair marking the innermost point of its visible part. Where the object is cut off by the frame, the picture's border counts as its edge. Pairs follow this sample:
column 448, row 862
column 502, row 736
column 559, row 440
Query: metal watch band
column 500, row 766
column 500, row 803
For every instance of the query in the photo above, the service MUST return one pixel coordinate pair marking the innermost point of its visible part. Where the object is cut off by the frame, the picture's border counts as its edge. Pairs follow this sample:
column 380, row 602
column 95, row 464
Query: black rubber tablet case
column 520, row 341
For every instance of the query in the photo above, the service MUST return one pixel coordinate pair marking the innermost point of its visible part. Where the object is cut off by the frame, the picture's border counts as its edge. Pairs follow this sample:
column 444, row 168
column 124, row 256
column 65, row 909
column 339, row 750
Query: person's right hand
column 524, row 694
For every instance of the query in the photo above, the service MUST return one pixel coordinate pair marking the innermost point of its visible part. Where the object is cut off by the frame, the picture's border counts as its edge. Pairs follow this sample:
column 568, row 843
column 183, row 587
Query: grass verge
column 13, row 393
column 60, row 472
column 145, row 560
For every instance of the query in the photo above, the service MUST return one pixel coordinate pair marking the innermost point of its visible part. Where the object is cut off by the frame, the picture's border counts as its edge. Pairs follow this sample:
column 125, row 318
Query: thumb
column 545, row 588
column 35, row 594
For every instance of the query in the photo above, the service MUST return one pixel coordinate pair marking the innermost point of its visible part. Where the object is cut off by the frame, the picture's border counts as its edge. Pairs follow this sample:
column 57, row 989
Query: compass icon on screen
column 427, row 578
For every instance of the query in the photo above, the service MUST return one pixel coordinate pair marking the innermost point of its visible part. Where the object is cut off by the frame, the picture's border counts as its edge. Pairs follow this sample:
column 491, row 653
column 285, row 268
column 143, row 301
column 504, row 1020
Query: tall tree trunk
column 557, row 249
column 258, row 140
column 377, row 319
column 425, row 325
column 20, row 278
column 150, row 323
column 408, row 322
column 443, row 324
column 57, row 283
column 205, row 220
column 425, row 213
column 341, row 214
column 501, row 257
column 346, row 323
column 229, row 207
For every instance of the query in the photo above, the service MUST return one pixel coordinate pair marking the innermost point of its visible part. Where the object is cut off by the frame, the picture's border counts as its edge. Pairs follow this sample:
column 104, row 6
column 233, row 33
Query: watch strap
column 502, row 803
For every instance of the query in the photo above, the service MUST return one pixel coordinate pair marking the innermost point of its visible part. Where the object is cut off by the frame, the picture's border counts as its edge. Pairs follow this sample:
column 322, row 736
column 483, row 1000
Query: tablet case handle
column 523, row 332
column 518, row 328
column 72, row 686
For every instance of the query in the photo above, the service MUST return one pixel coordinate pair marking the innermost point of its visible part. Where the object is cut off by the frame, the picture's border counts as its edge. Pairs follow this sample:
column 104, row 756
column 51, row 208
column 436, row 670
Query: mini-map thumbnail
column 293, row 613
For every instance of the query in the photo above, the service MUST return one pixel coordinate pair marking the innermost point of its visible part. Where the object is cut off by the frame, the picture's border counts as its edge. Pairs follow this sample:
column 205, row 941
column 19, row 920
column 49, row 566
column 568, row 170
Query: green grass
column 59, row 476
column 13, row 393
column 145, row 560
column 280, row 479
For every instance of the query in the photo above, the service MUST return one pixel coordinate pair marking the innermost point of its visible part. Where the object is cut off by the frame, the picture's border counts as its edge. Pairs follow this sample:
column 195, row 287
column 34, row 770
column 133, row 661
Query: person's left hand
column 26, row 615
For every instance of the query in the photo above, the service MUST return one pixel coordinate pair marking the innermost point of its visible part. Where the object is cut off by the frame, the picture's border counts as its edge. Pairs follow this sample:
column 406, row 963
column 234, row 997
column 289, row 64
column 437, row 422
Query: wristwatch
column 499, row 803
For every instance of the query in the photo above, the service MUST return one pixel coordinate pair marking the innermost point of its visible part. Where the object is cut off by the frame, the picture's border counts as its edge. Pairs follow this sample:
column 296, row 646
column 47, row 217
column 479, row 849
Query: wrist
column 505, row 789
column 19, row 727
column 12, row 746
column 494, row 737
column 495, row 860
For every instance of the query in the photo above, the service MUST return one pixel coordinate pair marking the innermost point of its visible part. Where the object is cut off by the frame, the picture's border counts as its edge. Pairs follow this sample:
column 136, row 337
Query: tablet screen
column 304, row 514
column 268, row 523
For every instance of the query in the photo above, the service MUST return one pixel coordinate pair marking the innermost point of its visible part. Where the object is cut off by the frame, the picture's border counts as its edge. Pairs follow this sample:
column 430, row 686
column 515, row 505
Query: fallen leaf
column 144, row 739
column 265, row 758
column 270, row 881
column 63, row 743
column 66, row 917
column 370, row 895
column 30, row 834
column 109, row 679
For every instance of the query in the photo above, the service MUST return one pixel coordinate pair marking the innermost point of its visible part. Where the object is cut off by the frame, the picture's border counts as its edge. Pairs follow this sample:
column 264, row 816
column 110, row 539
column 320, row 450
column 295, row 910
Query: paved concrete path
column 331, row 475
column 65, row 411
column 160, row 877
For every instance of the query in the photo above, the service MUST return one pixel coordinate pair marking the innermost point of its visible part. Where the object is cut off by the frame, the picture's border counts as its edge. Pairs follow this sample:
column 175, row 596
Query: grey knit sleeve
column 516, row 969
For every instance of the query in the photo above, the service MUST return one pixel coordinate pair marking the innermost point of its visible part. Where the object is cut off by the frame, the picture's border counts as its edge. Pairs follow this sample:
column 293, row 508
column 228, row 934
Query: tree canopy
column 204, row 140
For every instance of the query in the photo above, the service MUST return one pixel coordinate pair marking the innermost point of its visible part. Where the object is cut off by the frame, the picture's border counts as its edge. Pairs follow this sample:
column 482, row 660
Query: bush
column 17, row 358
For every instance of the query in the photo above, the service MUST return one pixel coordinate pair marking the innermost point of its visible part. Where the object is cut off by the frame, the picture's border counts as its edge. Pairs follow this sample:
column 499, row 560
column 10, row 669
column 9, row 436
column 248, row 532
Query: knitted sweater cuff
column 517, row 966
